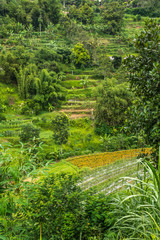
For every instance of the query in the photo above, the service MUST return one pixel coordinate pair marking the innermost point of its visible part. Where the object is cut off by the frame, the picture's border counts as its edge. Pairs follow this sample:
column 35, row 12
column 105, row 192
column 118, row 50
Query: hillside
column 79, row 120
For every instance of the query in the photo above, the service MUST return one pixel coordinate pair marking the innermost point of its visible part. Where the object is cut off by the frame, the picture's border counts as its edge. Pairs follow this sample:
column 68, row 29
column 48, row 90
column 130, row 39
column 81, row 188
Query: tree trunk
column 80, row 238
column 40, row 231
column 40, row 29
column 64, row 4
column 61, row 149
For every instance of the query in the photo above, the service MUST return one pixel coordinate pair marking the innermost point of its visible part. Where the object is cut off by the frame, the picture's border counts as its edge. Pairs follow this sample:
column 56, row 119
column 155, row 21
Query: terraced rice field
column 80, row 98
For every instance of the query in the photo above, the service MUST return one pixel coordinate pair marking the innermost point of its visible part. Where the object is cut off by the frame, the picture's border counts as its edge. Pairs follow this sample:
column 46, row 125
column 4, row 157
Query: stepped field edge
column 101, row 159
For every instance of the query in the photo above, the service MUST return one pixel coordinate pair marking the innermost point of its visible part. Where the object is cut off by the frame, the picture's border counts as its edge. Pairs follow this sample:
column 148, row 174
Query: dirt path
column 78, row 113
column 76, row 110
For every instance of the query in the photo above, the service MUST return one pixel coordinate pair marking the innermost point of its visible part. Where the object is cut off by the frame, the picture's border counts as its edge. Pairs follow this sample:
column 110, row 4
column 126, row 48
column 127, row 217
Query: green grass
column 47, row 115
column 46, row 134
column 83, row 91
column 55, row 168
column 138, row 209
column 70, row 84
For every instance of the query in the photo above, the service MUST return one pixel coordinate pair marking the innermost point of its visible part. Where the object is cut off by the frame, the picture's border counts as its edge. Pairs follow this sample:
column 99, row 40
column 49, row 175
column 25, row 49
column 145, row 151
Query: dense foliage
column 28, row 132
column 113, row 99
column 38, row 13
column 112, row 15
column 67, row 55
column 145, row 82
column 60, row 125
column 57, row 207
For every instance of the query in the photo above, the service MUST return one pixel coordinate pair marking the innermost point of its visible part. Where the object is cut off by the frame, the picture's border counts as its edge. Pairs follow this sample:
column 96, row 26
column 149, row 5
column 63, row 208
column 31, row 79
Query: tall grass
column 138, row 211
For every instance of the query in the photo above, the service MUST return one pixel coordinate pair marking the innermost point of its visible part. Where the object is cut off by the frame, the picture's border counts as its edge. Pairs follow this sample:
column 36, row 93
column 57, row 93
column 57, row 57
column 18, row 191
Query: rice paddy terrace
column 80, row 96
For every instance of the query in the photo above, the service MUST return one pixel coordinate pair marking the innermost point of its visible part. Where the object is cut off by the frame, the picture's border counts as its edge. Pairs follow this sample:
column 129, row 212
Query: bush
column 62, row 210
column 80, row 56
column 25, row 109
column 28, row 132
column 37, row 108
column 121, row 141
column 117, row 61
column 143, row 11
column 101, row 129
column 2, row 117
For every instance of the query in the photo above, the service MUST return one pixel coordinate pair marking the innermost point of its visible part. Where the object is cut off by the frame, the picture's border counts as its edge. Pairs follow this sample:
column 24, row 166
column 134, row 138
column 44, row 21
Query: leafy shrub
column 102, row 129
column 58, row 207
column 46, row 55
column 121, row 142
column 60, row 126
column 28, row 132
column 37, row 108
column 117, row 61
column 25, row 109
column 2, row 117
column 8, row 133
column 2, row 107
column 143, row 11
column 80, row 55
column 75, row 152
column 43, row 122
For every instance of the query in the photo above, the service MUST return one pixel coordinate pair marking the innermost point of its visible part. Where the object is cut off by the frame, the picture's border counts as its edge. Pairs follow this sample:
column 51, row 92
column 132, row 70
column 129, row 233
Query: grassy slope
column 79, row 97
column 10, row 129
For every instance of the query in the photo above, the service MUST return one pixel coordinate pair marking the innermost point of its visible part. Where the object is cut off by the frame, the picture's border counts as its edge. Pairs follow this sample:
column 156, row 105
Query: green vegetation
column 112, row 15
column 80, row 55
column 112, row 102
column 139, row 207
column 60, row 127
column 144, row 79
column 63, row 85
column 28, row 132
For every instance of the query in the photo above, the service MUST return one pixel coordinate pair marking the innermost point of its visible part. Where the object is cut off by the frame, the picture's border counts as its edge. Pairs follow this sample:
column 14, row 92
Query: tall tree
column 112, row 17
column 144, row 77
column 60, row 125
column 80, row 55
column 50, row 10
column 27, row 78
column 113, row 99
column 9, row 67
column 87, row 14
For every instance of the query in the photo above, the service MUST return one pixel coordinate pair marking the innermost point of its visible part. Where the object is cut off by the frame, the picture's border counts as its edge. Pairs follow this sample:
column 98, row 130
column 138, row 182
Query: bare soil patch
column 76, row 110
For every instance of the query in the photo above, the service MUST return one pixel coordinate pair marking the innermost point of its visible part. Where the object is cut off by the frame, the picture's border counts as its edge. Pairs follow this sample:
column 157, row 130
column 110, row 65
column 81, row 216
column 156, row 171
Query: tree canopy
column 144, row 77
column 113, row 100
column 112, row 16
column 60, row 125
column 80, row 55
